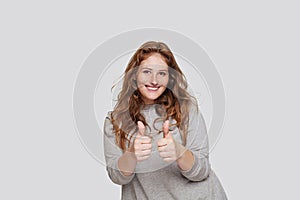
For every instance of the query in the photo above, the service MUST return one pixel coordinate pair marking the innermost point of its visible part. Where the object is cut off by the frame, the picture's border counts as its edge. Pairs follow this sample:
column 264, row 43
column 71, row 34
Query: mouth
column 152, row 88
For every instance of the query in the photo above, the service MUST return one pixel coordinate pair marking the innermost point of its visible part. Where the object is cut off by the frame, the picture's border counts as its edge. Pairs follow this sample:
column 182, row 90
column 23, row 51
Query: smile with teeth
column 151, row 88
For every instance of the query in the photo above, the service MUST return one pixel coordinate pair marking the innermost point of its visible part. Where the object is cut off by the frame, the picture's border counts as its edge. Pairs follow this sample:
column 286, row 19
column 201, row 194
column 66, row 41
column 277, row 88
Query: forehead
column 155, row 61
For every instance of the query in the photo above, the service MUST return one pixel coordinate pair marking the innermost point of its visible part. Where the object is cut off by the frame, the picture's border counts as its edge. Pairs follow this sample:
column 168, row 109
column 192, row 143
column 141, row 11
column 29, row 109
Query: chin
column 151, row 96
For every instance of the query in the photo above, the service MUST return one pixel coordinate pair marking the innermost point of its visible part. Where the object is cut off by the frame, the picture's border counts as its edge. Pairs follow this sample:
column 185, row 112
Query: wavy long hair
column 175, row 100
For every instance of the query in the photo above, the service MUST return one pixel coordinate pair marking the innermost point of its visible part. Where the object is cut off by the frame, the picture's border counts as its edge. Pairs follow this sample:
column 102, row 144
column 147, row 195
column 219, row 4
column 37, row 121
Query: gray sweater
column 156, row 179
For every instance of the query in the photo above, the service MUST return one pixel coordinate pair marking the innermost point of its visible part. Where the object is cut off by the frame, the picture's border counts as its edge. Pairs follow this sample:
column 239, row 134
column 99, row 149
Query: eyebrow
column 152, row 69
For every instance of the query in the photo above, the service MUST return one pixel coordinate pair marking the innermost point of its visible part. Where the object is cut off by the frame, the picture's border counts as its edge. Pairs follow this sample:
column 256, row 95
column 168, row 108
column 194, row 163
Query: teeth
column 152, row 88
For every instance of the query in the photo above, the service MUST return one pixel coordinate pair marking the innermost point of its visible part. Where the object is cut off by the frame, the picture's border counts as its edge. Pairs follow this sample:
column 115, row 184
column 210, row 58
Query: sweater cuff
column 117, row 176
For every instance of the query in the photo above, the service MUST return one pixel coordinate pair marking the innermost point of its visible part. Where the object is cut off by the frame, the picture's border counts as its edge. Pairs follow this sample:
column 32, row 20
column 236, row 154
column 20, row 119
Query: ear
column 134, row 75
column 134, row 79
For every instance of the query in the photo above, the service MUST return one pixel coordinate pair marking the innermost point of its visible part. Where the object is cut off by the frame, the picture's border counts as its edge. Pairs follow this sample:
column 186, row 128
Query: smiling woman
column 155, row 139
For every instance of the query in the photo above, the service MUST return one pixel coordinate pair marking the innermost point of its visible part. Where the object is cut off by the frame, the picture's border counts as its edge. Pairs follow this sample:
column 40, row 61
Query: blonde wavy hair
column 175, row 100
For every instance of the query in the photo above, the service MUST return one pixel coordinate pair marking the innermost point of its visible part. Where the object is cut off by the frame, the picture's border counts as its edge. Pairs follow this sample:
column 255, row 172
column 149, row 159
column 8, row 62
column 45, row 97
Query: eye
column 162, row 73
column 146, row 71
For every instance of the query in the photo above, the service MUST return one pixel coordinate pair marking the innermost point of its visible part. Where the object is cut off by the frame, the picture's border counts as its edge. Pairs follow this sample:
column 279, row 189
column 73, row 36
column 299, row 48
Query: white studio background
column 254, row 44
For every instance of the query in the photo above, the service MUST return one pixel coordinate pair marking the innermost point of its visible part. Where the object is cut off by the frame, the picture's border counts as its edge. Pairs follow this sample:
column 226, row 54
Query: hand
column 167, row 145
column 142, row 144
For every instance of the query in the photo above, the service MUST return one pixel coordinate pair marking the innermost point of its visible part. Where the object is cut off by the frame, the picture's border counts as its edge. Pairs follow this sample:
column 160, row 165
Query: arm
column 139, row 151
column 127, row 162
column 170, row 150
column 196, row 147
column 120, row 167
column 193, row 158
column 185, row 159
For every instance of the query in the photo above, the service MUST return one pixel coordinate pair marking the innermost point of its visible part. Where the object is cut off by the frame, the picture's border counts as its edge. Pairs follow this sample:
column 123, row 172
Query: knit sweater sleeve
column 112, row 154
column 197, row 143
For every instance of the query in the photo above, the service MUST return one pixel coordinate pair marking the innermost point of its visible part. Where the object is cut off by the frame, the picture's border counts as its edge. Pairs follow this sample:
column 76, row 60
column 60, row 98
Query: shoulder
column 193, row 110
column 195, row 116
column 108, row 126
column 108, row 115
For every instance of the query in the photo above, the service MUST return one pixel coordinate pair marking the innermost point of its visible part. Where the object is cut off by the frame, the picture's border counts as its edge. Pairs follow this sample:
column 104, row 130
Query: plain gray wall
column 254, row 44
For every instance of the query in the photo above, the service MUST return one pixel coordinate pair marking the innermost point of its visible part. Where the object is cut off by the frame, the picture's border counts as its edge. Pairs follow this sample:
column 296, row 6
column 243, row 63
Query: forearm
column 193, row 166
column 127, row 162
column 185, row 159
column 198, row 168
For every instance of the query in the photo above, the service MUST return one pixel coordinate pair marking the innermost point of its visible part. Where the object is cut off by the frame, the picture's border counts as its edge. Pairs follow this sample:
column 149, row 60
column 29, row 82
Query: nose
column 153, row 79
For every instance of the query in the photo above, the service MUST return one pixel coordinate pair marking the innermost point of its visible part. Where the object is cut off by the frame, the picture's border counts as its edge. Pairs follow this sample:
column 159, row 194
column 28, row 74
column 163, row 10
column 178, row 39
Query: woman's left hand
column 167, row 145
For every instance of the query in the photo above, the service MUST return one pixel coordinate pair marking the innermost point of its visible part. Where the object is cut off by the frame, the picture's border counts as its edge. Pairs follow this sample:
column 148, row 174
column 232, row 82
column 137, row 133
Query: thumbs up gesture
column 142, row 144
column 167, row 145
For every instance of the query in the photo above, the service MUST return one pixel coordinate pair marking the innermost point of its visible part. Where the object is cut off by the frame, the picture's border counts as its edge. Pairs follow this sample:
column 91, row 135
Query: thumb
column 141, row 127
column 166, row 129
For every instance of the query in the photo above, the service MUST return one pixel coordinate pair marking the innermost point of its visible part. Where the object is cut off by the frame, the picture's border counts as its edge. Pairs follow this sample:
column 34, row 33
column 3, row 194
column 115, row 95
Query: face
column 152, row 78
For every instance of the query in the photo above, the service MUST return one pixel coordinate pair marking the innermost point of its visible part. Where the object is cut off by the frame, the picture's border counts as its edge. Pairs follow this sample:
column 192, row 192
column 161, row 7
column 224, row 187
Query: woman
column 155, row 139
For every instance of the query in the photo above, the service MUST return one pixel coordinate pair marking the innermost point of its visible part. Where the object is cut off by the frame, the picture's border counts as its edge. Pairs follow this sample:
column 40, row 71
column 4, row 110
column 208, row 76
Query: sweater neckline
column 148, row 106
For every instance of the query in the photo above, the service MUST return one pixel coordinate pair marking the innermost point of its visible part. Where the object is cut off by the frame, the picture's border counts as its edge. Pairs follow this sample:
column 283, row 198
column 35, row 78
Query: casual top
column 157, row 179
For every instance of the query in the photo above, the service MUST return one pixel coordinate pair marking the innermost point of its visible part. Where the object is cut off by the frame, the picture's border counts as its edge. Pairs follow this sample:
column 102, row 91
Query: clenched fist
column 142, row 144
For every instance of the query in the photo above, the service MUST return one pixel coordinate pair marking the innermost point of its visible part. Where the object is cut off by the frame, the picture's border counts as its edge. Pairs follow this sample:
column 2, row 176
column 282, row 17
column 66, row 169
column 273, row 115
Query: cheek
column 165, row 81
column 141, row 80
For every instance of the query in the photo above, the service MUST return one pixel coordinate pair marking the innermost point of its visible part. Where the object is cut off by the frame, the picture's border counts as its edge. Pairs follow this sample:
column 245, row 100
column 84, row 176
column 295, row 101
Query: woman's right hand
column 142, row 144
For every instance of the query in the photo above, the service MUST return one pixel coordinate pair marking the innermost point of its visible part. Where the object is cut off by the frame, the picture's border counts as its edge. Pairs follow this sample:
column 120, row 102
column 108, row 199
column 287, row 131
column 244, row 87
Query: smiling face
column 152, row 77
